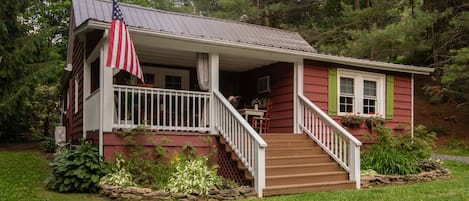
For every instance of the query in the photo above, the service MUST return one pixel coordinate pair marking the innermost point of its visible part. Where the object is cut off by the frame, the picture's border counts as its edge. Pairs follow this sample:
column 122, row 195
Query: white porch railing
column 331, row 137
column 91, row 112
column 162, row 109
column 242, row 138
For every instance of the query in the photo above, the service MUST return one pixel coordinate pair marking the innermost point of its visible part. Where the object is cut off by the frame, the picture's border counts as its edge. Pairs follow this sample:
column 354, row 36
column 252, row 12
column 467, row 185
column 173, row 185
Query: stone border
column 381, row 180
column 136, row 193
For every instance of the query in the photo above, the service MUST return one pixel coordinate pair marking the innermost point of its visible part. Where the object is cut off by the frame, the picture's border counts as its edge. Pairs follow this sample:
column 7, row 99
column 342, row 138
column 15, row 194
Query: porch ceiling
column 234, row 63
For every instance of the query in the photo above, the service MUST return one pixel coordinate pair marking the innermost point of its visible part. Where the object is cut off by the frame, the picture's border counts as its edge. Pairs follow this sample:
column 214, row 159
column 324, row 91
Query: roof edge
column 295, row 53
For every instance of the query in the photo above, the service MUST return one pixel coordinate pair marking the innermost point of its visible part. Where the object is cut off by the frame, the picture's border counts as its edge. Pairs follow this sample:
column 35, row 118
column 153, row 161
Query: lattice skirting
column 228, row 167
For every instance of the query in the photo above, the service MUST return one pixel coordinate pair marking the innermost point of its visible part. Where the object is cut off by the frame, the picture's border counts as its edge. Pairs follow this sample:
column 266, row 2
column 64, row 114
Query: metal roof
column 190, row 25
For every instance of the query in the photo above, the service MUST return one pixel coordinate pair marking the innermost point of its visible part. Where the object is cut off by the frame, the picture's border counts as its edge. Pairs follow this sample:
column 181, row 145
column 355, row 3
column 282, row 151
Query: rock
column 191, row 197
column 252, row 193
column 179, row 195
column 244, row 189
column 129, row 196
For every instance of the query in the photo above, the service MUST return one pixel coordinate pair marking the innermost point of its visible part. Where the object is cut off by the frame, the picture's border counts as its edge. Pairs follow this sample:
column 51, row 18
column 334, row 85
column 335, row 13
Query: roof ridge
column 203, row 17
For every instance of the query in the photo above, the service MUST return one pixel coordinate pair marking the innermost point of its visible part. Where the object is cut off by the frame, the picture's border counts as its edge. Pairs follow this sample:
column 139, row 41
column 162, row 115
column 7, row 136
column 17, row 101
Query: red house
column 191, row 64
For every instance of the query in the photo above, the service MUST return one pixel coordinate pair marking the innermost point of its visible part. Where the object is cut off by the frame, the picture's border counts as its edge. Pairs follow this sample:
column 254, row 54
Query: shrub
column 389, row 162
column 77, row 170
column 119, row 176
column 399, row 155
column 48, row 145
column 193, row 176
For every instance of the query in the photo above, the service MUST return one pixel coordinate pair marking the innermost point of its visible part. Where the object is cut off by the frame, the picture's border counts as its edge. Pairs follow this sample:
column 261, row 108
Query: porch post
column 214, row 62
column 298, row 89
column 106, row 94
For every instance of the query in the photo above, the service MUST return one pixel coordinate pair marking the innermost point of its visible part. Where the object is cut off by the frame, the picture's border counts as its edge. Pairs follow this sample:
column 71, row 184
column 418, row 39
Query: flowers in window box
column 352, row 121
column 255, row 103
column 374, row 121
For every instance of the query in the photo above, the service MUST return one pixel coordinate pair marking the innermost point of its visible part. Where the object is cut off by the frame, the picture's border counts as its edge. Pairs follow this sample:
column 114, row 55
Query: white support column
column 106, row 94
column 298, row 76
column 354, row 157
column 214, row 66
column 412, row 107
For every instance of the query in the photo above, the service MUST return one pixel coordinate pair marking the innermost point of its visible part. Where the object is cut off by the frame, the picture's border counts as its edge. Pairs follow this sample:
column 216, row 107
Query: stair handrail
column 342, row 146
column 242, row 138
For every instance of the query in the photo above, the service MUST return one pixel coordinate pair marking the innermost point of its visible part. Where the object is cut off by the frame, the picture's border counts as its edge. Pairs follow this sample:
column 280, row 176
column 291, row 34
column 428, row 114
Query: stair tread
column 290, row 148
column 302, row 165
column 309, row 184
column 297, row 156
column 306, row 174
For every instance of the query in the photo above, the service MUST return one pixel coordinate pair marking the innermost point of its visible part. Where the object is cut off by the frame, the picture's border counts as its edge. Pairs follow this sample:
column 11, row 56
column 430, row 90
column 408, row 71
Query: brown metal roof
column 190, row 25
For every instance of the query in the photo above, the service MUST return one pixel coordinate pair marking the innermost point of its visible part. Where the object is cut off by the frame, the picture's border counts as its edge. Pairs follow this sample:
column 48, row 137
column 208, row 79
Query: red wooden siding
column 281, row 83
column 315, row 89
column 76, row 132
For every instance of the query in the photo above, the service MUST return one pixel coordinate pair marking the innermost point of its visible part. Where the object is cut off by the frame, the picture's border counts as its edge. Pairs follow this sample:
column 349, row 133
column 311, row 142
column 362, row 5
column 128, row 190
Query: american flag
column 121, row 51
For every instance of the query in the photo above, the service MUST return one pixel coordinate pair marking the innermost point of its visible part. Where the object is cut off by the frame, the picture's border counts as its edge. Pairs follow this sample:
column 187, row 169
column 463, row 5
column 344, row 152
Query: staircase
column 295, row 164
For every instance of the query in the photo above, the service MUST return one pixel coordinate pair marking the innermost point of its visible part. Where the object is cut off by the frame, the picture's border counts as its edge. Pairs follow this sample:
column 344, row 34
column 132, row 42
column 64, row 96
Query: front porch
column 186, row 89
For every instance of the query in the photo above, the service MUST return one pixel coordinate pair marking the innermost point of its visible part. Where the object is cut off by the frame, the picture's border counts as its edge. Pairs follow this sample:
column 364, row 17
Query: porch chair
column 262, row 124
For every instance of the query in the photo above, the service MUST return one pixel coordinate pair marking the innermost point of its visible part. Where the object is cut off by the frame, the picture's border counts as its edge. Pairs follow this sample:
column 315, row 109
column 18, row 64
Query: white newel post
column 259, row 183
column 354, row 157
column 298, row 90
column 214, row 62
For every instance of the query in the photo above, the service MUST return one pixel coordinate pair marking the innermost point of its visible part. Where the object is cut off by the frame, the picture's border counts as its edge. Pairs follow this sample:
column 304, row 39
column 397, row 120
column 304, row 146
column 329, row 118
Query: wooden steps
column 295, row 164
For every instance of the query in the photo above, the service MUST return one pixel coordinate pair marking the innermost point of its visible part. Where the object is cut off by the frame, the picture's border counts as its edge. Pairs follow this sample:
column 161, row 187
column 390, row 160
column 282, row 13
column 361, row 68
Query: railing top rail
column 160, row 89
column 240, row 119
column 329, row 120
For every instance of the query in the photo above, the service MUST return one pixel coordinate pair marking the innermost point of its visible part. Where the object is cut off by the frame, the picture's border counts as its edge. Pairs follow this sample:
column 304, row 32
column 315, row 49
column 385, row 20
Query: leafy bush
column 77, row 170
column 420, row 146
column 48, row 145
column 389, row 161
column 398, row 155
column 193, row 175
column 119, row 175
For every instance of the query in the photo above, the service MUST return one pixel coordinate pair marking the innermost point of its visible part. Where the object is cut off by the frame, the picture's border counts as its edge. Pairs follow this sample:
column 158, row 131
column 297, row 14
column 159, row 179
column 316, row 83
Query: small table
column 246, row 112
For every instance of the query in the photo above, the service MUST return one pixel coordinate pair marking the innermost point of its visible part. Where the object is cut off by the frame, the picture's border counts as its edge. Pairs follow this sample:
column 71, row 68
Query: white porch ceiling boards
column 156, row 55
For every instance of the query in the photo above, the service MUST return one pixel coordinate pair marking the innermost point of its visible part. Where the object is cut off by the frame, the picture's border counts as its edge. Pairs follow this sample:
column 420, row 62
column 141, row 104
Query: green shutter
column 332, row 92
column 389, row 97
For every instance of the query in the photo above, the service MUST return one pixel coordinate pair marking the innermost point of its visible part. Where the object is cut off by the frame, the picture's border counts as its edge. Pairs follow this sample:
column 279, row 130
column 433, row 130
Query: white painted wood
column 91, row 112
column 214, row 65
column 160, row 109
column 342, row 146
column 412, row 107
column 242, row 138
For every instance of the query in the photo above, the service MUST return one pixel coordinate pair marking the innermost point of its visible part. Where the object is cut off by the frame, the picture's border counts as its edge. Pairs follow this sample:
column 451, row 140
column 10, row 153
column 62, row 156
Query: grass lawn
column 22, row 175
column 454, row 189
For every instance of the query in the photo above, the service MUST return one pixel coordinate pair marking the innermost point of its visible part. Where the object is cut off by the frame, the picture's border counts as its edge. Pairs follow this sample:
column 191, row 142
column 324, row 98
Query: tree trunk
column 357, row 4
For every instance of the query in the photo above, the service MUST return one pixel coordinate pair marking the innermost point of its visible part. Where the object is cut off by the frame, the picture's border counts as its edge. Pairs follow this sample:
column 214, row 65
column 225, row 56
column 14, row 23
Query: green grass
column 454, row 152
column 456, row 188
column 22, row 177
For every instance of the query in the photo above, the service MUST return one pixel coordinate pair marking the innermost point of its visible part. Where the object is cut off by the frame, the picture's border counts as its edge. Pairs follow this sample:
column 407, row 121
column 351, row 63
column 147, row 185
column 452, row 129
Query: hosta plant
column 193, row 176
column 119, row 176
column 77, row 170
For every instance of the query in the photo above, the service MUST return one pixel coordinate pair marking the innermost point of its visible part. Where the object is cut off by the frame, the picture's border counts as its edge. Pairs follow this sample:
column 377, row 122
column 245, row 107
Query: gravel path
column 464, row 159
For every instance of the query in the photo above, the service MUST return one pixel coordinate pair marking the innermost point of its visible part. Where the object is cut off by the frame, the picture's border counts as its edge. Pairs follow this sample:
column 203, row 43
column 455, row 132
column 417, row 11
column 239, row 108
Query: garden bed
column 136, row 193
column 380, row 180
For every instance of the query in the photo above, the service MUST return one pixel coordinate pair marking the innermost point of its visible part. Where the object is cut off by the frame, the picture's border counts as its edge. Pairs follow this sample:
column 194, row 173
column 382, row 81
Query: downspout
column 412, row 108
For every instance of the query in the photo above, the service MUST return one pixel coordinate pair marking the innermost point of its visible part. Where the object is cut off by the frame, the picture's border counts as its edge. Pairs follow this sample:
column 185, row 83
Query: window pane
column 173, row 82
column 369, row 88
column 369, row 106
column 346, row 85
column 346, row 104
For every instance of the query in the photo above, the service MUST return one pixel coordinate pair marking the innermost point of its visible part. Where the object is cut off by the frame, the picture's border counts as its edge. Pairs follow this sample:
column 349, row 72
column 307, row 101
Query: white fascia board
column 91, row 24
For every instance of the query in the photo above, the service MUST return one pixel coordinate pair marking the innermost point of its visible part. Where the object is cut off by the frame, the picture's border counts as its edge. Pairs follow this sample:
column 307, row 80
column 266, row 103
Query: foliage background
column 33, row 41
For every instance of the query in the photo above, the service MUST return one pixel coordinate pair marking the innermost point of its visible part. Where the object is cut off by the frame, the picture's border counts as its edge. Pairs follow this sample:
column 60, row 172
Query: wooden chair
column 262, row 124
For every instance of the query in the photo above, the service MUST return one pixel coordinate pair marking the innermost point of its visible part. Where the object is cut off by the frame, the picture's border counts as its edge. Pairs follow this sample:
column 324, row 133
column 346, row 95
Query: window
column 263, row 84
column 173, row 82
column 361, row 92
column 94, row 82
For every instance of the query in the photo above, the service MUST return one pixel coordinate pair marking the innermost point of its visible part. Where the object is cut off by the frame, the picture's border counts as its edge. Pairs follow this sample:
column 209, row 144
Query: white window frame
column 359, row 77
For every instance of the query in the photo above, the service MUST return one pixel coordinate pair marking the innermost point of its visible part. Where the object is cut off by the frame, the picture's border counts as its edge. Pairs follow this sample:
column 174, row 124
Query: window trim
column 359, row 77
column 75, row 86
column 160, row 73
